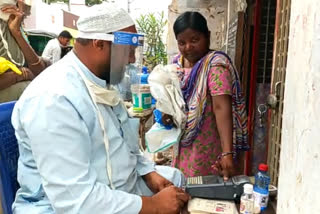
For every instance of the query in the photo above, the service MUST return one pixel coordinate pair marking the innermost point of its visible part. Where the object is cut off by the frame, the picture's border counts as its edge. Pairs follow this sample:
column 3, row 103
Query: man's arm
column 144, row 166
column 10, row 78
column 35, row 63
column 61, row 148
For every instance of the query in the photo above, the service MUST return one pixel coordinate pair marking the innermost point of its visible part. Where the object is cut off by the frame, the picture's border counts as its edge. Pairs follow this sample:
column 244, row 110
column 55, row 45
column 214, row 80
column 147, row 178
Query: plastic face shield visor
column 126, row 48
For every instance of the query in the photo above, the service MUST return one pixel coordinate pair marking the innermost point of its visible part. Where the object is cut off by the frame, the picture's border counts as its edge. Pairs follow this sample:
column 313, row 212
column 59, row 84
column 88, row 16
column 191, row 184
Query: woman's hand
column 225, row 167
column 167, row 119
column 16, row 17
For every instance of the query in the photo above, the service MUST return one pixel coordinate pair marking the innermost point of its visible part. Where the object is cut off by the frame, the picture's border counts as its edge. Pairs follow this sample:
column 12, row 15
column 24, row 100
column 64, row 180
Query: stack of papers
column 205, row 206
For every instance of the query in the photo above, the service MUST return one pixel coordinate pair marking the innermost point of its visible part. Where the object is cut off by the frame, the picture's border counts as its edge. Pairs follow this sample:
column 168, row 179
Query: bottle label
column 246, row 206
column 261, row 199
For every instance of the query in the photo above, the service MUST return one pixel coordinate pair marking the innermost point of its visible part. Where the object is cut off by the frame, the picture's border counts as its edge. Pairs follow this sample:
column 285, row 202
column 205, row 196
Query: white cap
column 100, row 20
column 248, row 188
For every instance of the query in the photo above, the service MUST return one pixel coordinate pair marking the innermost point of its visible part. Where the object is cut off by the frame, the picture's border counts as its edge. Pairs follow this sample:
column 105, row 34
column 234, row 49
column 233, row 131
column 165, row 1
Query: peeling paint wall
column 216, row 13
column 299, row 180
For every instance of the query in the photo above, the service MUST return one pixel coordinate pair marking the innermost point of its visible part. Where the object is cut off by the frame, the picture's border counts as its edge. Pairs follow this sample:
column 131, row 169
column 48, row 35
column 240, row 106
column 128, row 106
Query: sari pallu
column 194, row 88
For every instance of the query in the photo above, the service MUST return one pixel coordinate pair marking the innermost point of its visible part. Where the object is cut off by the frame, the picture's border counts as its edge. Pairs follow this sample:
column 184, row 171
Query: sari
column 200, row 144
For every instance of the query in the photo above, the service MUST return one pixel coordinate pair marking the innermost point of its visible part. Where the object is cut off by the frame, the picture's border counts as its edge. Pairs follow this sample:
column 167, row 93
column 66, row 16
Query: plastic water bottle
column 144, row 80
column 261, row 187
column 247, row 201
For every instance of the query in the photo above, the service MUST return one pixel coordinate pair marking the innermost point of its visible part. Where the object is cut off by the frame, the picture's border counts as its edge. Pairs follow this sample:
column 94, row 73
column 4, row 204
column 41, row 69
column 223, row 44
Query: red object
column 253, row 81
column 263, row 167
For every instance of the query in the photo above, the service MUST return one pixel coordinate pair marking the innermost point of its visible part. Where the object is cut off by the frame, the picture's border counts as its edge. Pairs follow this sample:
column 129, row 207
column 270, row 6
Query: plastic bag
column 159, row 138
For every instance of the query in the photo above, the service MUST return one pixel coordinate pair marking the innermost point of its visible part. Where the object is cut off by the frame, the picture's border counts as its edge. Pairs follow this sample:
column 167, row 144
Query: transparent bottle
column 247, row 201
column 261, row 187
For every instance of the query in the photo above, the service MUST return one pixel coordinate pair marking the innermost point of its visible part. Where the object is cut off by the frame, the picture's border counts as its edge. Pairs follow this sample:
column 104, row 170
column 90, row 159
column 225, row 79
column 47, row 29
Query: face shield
column 126, row 48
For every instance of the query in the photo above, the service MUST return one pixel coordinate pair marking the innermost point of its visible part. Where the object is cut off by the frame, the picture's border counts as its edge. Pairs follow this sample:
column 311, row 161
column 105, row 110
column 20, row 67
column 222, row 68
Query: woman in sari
column 216, row 129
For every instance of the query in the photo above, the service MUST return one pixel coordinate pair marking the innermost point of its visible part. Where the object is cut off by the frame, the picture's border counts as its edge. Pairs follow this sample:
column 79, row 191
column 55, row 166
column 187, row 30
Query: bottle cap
column 145, row 69
column 248, row 188
column 263, row 167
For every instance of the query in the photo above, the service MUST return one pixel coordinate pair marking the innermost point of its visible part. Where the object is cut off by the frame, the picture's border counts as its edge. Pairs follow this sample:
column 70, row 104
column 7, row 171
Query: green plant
column 153, row 27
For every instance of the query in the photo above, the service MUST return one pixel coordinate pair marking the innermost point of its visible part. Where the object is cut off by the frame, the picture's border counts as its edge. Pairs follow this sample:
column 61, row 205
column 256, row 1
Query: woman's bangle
column 36, row 63
column 223, row 154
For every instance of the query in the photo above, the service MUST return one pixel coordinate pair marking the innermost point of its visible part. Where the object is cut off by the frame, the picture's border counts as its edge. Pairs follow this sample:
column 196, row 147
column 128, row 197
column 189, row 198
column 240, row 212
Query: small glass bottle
column 246, row 201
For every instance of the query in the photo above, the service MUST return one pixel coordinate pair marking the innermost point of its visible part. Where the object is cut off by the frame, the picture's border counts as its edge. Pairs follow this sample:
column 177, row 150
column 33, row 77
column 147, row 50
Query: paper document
column 205, row 206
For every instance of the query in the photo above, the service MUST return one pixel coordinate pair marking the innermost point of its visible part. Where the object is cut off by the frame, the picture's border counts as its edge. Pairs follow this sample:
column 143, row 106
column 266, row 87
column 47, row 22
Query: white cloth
column 5, row 16
column 52, row 51
column 165, row 88
column 99, row 20
column 62, row 163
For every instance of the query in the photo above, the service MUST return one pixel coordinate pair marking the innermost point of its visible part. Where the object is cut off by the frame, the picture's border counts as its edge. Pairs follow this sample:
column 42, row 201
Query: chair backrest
column 9, row 154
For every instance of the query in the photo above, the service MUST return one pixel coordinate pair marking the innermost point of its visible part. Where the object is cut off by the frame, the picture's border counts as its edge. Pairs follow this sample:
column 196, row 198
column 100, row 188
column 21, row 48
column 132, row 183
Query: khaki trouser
column 13, row 92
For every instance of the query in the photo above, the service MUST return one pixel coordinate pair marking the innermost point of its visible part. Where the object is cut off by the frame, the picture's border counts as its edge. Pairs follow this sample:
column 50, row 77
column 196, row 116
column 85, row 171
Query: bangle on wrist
column 223, row 154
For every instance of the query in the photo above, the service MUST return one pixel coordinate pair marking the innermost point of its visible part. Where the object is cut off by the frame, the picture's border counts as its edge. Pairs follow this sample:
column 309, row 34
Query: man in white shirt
column 54, row 47
column 78, row 147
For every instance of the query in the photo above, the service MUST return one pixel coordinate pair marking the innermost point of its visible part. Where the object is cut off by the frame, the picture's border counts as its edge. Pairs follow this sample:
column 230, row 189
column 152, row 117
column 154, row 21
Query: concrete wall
column 216, row 17
column 299, row 181
column 216, row 13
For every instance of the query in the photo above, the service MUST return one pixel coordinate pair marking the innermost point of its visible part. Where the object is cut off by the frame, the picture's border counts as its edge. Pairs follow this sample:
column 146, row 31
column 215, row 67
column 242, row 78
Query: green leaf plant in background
column 153, row 27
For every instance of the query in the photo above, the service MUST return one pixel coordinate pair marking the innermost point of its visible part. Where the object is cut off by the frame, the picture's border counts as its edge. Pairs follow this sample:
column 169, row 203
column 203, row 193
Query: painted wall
column 46, row 17
column 299, row 181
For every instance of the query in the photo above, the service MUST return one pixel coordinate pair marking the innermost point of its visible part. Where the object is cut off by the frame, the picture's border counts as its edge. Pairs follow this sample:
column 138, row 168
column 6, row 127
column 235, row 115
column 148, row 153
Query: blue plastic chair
column 9, row 154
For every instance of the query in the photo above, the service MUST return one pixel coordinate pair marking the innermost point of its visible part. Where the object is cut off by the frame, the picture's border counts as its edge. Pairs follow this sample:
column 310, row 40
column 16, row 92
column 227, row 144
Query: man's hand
column 26, row 75
column 156, row 182
column 169, row 200
column 16, row 17
column 225, row 167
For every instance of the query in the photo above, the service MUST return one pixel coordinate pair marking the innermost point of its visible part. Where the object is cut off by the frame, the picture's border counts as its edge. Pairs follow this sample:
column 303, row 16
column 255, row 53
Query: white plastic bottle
column 246, row 201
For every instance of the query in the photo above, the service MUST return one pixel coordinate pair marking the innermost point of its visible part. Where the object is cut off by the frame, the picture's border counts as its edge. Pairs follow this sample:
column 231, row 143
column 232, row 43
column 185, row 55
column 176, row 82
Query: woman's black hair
column 192, row 20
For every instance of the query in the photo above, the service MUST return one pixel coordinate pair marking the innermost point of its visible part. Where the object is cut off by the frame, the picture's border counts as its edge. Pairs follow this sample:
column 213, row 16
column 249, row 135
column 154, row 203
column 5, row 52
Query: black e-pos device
column 214, row 187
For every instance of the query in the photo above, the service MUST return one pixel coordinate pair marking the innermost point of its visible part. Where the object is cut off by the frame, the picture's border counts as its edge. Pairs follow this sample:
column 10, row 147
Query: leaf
column 152, row 26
